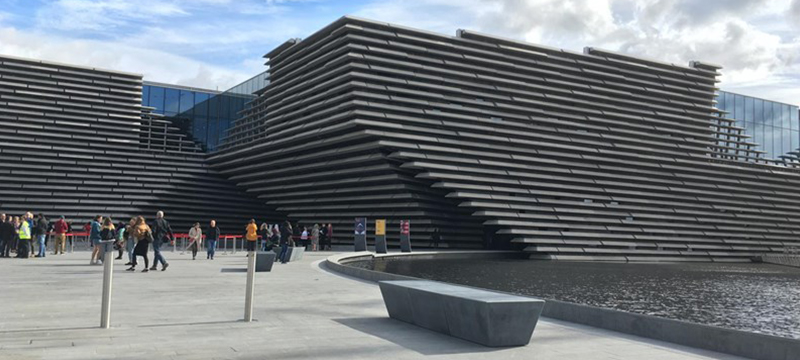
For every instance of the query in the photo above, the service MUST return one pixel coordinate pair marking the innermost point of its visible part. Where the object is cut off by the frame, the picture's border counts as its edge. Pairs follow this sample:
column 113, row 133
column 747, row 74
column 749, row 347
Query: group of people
column 20, row 234
column 137, row 237
column 27, row 234
column 285, row 235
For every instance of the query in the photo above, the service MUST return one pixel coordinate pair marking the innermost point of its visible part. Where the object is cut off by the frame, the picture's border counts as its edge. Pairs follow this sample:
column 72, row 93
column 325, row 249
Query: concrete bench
column 264, row 260
column 486, row 317
column 292, row 253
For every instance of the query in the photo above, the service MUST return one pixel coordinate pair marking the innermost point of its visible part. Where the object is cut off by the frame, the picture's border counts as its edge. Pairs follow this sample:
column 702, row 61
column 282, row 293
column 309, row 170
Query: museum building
column 496, row 143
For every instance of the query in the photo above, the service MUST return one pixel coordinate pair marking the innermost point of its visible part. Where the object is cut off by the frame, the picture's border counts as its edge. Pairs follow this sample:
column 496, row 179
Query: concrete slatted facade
column 76, row 142
column 565, row 155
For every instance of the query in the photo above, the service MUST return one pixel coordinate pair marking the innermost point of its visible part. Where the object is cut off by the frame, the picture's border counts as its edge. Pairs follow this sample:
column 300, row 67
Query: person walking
column 60, row 229
column 323, row 236
column 315, row 238
column 286, row 239
column 107, row 233
column 304, row 238
column 264, row 233
column 6, row 235
column 130, row 241
column 195, row 239
column 275, row 237
column 212, row 236
column 143, row 236
column 94, row 239
column 24, row 235
column 162, row 233
column 330, row 236
column 120, row 240
column 251, row 236
column 15, row 243
column 39, row 232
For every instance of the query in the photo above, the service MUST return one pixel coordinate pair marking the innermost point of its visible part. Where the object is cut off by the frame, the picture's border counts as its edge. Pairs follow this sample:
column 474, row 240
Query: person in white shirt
column 195, row 239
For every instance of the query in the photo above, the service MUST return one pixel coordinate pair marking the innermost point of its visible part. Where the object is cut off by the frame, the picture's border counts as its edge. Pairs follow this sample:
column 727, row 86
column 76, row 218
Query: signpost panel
column 405, row 236
column 380, row 236
column 361, row 234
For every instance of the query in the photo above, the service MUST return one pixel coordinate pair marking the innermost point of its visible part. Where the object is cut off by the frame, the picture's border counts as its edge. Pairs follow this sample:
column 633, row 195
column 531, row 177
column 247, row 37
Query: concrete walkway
column 50, row 309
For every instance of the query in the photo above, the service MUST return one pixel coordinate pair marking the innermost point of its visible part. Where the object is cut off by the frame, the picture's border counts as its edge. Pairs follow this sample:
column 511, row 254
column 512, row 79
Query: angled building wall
column 565, row 155
column 76, row 142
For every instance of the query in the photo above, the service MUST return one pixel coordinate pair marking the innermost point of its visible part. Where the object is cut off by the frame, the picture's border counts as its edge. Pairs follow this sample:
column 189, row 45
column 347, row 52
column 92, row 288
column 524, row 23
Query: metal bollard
column 234, row 246
column 108, row 271
column 249, row 293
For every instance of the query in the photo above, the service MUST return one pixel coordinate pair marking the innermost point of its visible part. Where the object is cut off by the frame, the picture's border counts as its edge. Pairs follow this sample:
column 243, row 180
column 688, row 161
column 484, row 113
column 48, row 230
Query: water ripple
column 759, row 298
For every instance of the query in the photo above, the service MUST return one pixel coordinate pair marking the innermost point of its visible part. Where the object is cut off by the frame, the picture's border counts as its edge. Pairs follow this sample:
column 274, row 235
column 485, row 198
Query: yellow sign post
column 380, row 227
column 380, row 236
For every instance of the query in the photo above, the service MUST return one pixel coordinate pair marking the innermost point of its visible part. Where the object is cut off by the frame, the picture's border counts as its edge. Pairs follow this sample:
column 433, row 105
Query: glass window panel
column 738, row 112
column 724, row 104
column 200, row 130
column 224, row 106
column 768, row 113
column 186, row 102
column 213, row 107
column 795, row 117
column 786, row 116
column 201, row 104
column 758, row 111
column 748, row 109
column 776, row 114
column 157, row 99
column 171, row 100
column 758, row 135
column 146, row 95
column 786, row 141
column 767, row 144
column 213, row 135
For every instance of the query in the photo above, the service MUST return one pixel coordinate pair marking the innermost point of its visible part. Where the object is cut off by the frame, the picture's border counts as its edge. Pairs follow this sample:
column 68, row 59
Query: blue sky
column 218, row 43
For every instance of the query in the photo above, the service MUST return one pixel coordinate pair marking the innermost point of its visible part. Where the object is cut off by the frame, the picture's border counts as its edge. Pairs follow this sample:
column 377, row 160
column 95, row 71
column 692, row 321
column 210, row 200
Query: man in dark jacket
column 6, row 235
column 40, row 234
column 212, row 235
column 162, row 233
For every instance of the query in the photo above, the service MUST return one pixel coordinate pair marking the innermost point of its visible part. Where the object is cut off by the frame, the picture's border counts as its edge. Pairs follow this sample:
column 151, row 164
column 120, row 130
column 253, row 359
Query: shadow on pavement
column 233, row 270
column 414, row 338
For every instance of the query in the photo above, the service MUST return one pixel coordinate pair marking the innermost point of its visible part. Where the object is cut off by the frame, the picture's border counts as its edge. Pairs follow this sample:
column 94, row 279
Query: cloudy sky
column 218, row 43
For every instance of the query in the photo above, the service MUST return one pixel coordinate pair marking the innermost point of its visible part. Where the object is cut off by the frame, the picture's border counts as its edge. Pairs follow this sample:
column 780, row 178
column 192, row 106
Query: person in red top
column 60, row 229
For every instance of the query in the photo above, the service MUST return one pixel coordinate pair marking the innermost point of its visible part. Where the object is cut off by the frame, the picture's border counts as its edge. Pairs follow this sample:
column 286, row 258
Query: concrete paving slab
column 50, row 309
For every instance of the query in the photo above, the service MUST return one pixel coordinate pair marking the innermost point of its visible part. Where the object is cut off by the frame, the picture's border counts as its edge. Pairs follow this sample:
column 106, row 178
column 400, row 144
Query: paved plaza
column 50, row 309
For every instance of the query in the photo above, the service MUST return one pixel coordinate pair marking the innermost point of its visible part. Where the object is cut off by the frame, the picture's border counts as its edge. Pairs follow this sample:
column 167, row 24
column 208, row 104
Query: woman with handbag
column 144, row 236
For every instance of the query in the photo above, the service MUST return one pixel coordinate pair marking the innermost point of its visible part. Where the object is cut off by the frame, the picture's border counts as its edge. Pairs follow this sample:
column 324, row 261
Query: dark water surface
column 758, row 298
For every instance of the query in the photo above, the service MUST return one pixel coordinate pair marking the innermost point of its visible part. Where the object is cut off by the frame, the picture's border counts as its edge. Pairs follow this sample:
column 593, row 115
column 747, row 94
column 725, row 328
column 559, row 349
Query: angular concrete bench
column 486, row 317
column 292, row 253
column 264, row 260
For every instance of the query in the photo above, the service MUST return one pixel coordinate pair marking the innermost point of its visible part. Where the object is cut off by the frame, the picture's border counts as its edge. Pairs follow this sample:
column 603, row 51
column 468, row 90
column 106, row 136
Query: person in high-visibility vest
column 24, row 233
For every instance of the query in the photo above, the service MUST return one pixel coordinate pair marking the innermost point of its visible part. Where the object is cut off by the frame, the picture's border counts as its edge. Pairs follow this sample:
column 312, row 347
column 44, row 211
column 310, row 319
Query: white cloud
column 155, row 65
column 102, row 15
column 752, row 39
column 216, row 43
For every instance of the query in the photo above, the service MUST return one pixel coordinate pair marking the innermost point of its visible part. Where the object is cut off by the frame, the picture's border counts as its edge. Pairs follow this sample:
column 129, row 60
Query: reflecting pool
column 758, row 298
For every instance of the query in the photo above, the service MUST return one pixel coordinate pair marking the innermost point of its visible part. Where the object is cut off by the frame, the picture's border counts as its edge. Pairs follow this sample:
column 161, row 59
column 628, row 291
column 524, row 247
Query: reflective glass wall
column 773, row 125
column 204, row 114
column 251, row 85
